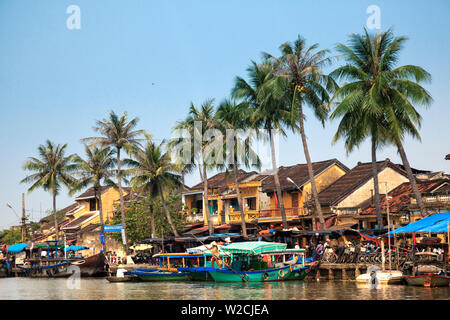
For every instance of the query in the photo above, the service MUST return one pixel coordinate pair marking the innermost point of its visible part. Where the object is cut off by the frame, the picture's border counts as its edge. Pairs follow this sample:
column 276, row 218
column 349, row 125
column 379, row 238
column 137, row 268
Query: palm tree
column 200, row 119
column 235, row 116
column 153, row 172
column 381, row 95
column 97, row 168
column 299, row 74
column 268, row 113
column 120, row 133
column 52, row 170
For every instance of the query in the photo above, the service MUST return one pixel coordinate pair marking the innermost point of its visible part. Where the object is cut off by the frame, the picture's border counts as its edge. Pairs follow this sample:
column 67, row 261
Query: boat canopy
column 76, row 248
column 437, row 223
column 177, row 255
column 254, row 247
column 18, row 247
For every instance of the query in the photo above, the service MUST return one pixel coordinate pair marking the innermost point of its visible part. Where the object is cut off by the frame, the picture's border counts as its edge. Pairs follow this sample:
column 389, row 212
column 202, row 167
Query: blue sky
column 152, row 58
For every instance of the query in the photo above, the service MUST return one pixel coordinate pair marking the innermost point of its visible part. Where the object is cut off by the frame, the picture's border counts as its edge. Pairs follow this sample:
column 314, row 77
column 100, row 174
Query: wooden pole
column 23, row 217
column 383, row 258
column 389, row 226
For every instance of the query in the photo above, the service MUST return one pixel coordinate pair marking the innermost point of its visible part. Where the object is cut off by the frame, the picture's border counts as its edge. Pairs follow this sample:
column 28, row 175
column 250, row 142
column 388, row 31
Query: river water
column 101, row 289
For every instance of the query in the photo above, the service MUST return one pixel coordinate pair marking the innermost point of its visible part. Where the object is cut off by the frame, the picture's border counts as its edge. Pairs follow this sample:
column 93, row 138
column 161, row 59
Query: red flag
column 276, row 200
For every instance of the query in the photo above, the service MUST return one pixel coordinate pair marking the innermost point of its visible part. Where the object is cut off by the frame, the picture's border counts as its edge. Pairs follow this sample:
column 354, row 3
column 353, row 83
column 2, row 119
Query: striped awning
column 254, row 247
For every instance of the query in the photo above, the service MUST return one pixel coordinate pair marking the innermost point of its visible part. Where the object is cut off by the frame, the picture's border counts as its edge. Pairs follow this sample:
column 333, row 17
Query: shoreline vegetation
column 369, row 96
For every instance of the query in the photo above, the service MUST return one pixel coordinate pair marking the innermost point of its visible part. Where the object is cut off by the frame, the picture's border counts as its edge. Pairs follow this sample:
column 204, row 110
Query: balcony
column 274, row 213
column 250, row 215
column 194, row 217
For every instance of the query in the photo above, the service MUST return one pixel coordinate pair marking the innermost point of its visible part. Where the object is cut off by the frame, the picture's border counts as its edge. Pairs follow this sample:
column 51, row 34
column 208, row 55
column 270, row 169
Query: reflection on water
column 101, row 289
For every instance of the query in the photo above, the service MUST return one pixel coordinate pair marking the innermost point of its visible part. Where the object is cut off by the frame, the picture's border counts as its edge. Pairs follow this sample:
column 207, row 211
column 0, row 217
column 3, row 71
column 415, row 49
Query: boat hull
column 383, row 277
column 161, row 276
column 92, row 266
column 198, row 273
column 427, row 280
column 123, row 279
column 225, row 275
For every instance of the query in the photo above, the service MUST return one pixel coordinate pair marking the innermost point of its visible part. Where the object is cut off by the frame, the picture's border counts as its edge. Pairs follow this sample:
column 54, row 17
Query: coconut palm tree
column 98, row 168
column 200, row 119
column 235, row 116
column 299, row 74
column 383, row 95
column 120, row 133
column 153, row 173
column 269, row 113
column 52, row 170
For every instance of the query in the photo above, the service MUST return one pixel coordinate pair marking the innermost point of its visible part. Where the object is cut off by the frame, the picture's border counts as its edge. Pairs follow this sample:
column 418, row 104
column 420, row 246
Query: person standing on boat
column 215, row 254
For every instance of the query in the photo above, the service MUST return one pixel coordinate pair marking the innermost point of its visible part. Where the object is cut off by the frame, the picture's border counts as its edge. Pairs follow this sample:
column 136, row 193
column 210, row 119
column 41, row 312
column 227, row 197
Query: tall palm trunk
column 54, row 215
column 100, row 210
column 122, row 212
column 277, row 181
column 241, row 207
column 311, row 174
column 205, row 200
column 166, row 210
column 152, row 217
column 375, row 184
column 411, row 178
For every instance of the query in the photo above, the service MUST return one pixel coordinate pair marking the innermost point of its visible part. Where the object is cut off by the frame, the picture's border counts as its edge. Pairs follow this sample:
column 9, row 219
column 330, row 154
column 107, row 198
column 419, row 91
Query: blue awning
column 437, row 223
column 18, row 247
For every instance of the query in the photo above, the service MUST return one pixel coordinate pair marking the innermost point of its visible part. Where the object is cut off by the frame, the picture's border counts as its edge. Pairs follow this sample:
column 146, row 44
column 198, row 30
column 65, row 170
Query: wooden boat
column 160, row 275
column 92, row 266
column 249, row 262
column 125, row 278
column 383, row 277
column 173, row 267
column 428, row 280
column 227, row 275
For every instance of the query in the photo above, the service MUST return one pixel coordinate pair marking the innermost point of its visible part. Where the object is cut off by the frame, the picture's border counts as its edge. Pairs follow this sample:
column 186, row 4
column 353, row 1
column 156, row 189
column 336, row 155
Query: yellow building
column 82, row 214
column 258, row 193
column 296, row 189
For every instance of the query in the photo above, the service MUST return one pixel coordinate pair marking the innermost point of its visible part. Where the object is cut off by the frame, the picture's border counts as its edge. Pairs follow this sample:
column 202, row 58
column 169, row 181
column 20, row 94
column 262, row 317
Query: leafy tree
column 376, row 100
column 269, row 113
column 236, row 116
column 95, row 170
column 120, row 133
column 52, row 170
column 204, row 154
column 298, row 75
column 137, row 215
column 153, row 173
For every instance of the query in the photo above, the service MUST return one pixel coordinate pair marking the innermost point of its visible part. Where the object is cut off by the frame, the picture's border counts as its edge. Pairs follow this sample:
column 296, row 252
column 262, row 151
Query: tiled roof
column 65, row 210
column 401, row 196
column 80, row 220
column 221, row 180
column 352, row 180
column 299, row 174
column 89, row 193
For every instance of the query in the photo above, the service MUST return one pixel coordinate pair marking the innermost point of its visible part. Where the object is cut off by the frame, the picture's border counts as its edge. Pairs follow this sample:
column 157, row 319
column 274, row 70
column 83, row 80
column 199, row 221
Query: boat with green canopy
column 249, row 262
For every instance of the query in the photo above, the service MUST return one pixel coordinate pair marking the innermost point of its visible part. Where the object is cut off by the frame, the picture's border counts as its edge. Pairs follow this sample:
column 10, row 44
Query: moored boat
column 382, row 277
column 428, row 280
column 252, row 261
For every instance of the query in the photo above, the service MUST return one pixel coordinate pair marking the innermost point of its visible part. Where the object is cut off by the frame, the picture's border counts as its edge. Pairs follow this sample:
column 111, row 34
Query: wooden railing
column 249, row 215
column 269, row 213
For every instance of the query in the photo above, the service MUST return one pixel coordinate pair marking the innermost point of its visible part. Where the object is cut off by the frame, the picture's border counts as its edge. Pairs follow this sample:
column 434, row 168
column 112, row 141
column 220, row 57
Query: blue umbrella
column 18, row 247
